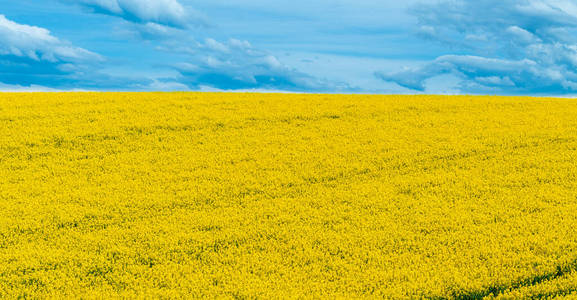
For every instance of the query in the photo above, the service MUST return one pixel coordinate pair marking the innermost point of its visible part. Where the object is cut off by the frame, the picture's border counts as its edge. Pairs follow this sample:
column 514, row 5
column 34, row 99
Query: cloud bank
column 37, row 44
column 170, row 13
column 32, row 55
column 237, row 65
column 211, row 64
column 511, row 46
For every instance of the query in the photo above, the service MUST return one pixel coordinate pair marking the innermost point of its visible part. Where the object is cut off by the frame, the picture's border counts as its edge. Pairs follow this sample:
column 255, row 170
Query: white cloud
column 164, row 12
column 521, row 35
column 31, row 89
column 480, row 74
column 513, row 46
column 230, row 65
column 158, row 85
column 236, row 65
column 32, row 59
column 38, row 44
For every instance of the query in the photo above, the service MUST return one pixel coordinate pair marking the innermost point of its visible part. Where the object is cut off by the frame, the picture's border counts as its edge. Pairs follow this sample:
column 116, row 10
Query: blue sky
column 340, row 46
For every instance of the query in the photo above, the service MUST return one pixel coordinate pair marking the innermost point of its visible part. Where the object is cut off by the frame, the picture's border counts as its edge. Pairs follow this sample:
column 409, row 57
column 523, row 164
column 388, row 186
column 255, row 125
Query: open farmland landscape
column 287, row 195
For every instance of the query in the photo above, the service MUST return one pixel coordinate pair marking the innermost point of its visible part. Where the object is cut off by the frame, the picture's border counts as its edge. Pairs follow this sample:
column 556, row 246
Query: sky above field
column 342, row 46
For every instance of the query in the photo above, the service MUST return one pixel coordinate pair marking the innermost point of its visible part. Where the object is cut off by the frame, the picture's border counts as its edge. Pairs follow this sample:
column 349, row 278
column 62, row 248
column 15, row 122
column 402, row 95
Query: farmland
column 287, row 195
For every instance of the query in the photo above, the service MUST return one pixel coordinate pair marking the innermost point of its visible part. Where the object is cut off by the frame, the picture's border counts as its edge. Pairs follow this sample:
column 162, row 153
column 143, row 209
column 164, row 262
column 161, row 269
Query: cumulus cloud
column 32, row 55
column 512, row 46
column 170, row 13
column 484, row 75
column 30, row 88
column 165, row 85
column 37, row 44
column 226, row 65
column 32, row 59
column 237, row 65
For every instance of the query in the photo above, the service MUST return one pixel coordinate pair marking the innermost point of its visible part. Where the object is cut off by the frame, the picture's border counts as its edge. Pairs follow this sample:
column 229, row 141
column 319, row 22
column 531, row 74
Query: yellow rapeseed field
column 287, row 196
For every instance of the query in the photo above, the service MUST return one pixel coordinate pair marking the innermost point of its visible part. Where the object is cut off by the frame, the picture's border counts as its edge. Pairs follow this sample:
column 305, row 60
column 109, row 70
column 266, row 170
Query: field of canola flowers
column 278, row 195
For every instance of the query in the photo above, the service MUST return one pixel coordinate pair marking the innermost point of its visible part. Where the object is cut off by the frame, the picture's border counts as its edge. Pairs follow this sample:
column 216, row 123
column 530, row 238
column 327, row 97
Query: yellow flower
column 211, row 195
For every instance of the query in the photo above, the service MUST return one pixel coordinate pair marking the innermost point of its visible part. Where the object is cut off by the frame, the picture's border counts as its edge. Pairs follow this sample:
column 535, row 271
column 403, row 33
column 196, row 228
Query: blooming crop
column 277, row 195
